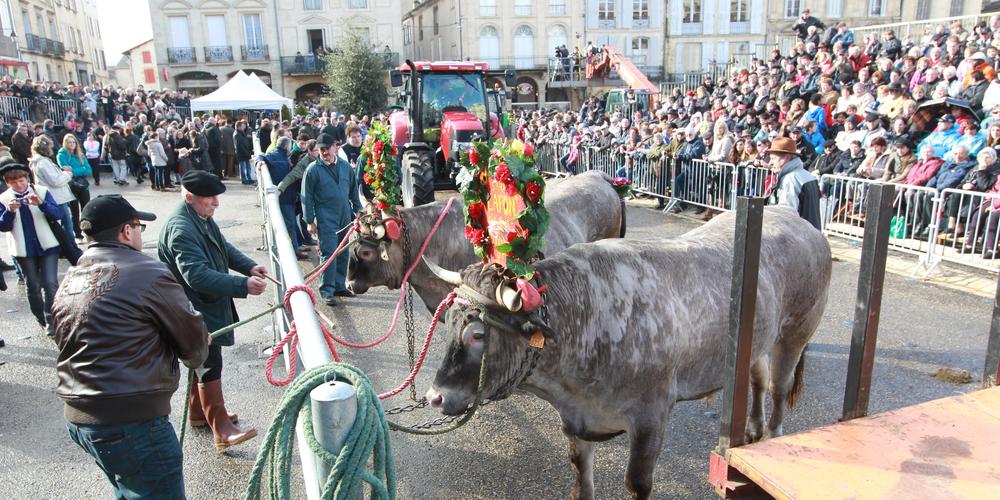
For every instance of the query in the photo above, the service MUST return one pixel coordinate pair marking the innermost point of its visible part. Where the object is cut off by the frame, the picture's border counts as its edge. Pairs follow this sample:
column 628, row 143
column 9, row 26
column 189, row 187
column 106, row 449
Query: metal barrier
column 965, row 229
column 334, row 403
column 12, row 108
column 58, row 109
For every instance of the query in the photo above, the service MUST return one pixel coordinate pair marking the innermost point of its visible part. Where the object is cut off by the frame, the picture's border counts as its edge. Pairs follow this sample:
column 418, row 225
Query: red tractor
column 441, row 108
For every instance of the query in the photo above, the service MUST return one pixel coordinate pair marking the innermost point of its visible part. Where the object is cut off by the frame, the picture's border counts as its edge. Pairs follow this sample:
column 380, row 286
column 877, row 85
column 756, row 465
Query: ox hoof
column 753, row 435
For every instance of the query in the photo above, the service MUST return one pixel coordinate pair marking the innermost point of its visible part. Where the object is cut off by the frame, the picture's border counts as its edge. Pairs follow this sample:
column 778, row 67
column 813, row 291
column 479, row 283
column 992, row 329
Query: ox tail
column 624, row 225
column 798, row 382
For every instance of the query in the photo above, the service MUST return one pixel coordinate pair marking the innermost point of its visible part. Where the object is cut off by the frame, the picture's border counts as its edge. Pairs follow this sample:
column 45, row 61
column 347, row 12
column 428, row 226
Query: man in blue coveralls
column 329, row 202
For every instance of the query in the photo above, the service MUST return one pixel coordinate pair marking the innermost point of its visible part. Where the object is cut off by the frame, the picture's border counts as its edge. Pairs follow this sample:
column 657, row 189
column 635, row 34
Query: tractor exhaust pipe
column 416, row 127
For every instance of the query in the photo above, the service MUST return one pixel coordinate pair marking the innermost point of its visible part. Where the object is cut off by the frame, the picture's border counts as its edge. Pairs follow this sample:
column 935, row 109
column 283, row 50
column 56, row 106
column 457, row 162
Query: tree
column 356, row 75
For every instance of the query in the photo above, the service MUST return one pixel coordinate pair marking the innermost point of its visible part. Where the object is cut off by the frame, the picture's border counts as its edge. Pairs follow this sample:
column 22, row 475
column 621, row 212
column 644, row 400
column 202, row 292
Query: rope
column 423, row 349
column 368, row 439
column 292, row 338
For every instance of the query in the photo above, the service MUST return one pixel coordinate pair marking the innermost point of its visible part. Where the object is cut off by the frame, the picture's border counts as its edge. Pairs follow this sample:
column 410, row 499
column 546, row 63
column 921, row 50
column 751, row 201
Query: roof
column 241, row 92
column 447, row 66
column 129, row 50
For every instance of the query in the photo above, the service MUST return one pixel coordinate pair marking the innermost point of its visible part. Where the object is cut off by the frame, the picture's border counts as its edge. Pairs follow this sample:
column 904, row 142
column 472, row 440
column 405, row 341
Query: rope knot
column 297, row 288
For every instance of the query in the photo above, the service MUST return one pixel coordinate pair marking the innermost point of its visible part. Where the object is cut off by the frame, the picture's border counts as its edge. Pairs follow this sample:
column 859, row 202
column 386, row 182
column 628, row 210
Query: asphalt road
column 512, row 449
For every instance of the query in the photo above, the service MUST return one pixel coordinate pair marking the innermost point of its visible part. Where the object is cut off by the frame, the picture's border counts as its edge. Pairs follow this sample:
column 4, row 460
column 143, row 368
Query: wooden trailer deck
column 942, row 449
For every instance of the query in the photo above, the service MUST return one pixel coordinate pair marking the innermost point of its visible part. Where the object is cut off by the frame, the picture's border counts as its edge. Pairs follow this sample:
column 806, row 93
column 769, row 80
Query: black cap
column 202, row 183
column 12, row 166
column 797, row 129
column 872, row 117
column 324, row 141
column 108, row 211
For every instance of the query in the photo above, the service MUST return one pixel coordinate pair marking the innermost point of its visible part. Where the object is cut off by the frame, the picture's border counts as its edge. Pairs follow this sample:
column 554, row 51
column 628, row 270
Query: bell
column 378, row 231
column 508, row 297
column 531, row 298
column 393, row 228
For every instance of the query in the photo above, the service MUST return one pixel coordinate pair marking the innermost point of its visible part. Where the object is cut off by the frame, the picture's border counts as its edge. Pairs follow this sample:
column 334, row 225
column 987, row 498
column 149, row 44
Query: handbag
column 78, row 187
column 897, row 227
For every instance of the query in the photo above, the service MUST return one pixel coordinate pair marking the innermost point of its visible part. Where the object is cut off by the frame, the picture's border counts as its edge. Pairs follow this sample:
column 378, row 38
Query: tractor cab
column 500, row 106
column 440, row 109
column 628, row 101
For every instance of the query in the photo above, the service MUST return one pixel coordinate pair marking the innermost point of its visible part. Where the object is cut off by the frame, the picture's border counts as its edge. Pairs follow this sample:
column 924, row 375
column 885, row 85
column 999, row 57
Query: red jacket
column 922, row 171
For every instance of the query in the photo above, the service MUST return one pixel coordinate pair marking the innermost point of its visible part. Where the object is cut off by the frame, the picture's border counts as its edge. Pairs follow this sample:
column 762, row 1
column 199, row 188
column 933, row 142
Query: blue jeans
column 67, row 225
column 158, row 176
column 291, row 225
column 333, row 276
column 41, row 278
column 246, row 170
column 141, row 460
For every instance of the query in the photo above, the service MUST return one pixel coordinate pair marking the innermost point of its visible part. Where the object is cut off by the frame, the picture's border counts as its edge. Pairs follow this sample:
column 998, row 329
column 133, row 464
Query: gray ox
column 582, row 208
column 635, row 326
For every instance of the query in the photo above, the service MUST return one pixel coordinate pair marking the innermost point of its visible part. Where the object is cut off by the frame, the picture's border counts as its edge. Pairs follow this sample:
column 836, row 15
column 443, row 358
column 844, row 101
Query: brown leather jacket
column 121, row 323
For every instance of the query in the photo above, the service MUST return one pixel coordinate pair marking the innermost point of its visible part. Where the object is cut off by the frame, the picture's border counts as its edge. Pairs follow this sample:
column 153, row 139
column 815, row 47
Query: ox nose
column 435, row 398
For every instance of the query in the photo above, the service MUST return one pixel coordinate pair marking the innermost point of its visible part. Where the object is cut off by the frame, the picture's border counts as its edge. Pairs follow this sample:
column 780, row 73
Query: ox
column 633, row 327
column 582, row 208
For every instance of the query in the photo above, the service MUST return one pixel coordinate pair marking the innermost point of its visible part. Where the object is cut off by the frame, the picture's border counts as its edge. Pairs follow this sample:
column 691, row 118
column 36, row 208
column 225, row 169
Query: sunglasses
column 142, row 227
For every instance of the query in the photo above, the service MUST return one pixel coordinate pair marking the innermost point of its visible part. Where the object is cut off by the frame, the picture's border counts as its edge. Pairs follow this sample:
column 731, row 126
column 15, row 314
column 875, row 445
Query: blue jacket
column 330, row 195
column 951, row 174
column 973, row 144
column 941, row 141
column 79, row 166
column 279, row 166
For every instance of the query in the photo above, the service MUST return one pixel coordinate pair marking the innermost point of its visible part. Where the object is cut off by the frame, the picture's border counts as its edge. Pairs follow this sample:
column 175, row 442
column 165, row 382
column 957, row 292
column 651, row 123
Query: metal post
column 874, row 250
column 742, row 309
column 334, row 408
column 991, row 372
column 312, row 349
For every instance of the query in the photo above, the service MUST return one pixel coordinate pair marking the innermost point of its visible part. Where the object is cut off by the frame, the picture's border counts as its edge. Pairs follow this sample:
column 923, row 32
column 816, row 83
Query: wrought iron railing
column 218, row 54
column 181, row 55
column 302, row 65
column 258, row 53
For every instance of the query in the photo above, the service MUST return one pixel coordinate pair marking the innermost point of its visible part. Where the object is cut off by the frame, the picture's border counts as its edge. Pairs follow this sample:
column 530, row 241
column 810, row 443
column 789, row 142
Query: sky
column 124, row 24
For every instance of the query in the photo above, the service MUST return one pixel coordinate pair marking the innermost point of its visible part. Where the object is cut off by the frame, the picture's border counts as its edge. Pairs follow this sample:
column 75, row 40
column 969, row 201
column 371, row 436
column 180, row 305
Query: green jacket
column 298, row 171
column 200, row 259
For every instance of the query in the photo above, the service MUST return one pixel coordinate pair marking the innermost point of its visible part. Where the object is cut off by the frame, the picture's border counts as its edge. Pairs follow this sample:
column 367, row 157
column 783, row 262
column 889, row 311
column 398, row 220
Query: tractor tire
column 418, row 178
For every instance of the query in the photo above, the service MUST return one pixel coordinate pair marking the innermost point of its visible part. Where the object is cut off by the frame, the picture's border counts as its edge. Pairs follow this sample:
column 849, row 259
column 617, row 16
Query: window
column 179, row 36
column 252, row 31
column 53, row 30
column 606, row 12
column 738, row 11
column 420, row 28
column 26, row 18
column 557, row 37
column 640, row 10
column 357, row 4
column 487, row 8
column 793, row 8
column 147, row 57
column 524, row 47
column 692, row 11
column 876, row 7
column 522, row 7
column 835, row 8
column 640, row 49
column 41, row 25
column 215, row 27
column 923, row 10
column 435, row 19
column 956, row 7
column 150, row 75
column 489, row 45
column 557, row 7
column 312, row 4
column 407, row 33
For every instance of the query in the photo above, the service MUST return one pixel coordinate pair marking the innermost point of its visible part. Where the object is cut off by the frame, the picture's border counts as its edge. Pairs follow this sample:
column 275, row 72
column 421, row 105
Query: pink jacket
column 923, row 171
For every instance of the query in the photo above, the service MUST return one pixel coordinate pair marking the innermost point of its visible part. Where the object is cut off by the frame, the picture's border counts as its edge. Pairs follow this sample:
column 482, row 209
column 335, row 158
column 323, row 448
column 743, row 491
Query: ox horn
column 451, row 277
column 509, row 297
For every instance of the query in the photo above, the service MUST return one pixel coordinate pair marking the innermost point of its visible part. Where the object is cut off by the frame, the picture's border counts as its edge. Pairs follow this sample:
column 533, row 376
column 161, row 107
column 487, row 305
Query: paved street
column 512, row 449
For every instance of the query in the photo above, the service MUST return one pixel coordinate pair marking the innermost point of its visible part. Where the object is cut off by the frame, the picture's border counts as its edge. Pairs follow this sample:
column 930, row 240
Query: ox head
column 487, row 324
column 376, row 256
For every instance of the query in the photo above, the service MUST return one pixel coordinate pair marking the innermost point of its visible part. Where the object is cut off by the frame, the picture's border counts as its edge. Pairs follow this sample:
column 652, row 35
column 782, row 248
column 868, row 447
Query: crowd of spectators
column 859, row 107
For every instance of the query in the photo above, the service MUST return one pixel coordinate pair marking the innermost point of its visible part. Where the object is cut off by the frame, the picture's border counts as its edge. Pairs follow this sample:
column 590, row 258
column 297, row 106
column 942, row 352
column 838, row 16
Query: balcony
column 640, row 23
column 181, row 55
column 8, row 47
column 302, row 65
column 220, row 54
column 254, row 53
column 56, row 48
column 390, row 60
column 607, row 22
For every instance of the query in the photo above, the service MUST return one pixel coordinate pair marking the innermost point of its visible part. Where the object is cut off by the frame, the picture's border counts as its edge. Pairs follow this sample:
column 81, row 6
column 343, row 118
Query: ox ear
column 451, row 277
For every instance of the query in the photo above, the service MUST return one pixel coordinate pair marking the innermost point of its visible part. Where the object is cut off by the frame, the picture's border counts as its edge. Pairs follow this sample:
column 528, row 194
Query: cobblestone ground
column 512, row 449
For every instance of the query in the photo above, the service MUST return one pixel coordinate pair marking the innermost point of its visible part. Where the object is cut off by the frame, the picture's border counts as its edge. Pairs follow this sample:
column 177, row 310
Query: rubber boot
column 226, row 433
column 196, row 415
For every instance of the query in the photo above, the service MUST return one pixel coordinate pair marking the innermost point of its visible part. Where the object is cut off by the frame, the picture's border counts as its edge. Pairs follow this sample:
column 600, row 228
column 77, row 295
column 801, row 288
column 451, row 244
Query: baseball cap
column 107, row 211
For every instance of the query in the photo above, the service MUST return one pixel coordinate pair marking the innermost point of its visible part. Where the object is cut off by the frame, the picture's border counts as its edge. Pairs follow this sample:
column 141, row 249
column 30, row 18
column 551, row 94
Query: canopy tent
column 241, row 92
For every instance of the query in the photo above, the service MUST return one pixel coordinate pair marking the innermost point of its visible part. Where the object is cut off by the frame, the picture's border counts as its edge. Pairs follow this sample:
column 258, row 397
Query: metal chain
column 408, row 316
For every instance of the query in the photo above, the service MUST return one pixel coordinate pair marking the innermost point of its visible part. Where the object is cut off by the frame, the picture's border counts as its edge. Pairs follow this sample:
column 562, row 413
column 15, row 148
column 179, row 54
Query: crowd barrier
column 38, row 110
column 952, row 225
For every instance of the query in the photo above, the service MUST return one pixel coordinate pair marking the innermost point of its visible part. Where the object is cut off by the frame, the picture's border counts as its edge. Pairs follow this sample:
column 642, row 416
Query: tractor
column 441, row 108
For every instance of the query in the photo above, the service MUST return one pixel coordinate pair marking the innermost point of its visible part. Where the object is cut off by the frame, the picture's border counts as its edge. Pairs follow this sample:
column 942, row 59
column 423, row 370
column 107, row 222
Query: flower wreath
column 512, row 164
column 381, row 174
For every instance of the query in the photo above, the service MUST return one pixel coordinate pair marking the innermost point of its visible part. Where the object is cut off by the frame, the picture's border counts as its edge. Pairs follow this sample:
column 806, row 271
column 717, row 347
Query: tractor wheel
column 418, row 178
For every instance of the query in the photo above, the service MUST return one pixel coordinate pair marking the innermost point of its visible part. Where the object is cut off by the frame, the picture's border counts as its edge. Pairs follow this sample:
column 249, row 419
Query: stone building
column 57, row 40
column 201, row 44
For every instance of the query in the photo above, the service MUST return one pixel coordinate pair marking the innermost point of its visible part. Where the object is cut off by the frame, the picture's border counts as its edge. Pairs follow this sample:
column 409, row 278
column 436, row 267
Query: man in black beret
column 199, row 256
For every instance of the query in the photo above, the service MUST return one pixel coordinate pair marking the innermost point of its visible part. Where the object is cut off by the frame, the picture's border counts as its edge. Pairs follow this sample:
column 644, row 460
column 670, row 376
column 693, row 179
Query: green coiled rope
column 368, row 438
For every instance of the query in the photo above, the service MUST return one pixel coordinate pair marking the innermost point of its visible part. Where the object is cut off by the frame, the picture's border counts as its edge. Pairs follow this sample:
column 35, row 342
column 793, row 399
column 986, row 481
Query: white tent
column 241, row 92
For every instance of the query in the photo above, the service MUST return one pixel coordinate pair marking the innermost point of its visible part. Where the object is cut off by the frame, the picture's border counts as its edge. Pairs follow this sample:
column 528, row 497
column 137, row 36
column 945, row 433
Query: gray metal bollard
column 334, row 409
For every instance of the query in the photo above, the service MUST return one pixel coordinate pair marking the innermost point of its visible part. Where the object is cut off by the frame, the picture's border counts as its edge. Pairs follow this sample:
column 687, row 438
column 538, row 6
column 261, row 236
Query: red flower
column 367, row 178
column 510, row 236
column 528, row 150
column 473, row 156
column 381, row 205
column 378, row 146
column 503, row 173
column 477, row 211
column 476, row 236
column 533, row 191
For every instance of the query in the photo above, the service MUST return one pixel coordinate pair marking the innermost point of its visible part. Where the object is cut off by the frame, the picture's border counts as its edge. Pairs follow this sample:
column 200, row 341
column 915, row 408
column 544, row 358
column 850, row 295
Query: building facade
column 57, row 40
column 517, row 34
column 201, row 44
column 139, row 67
